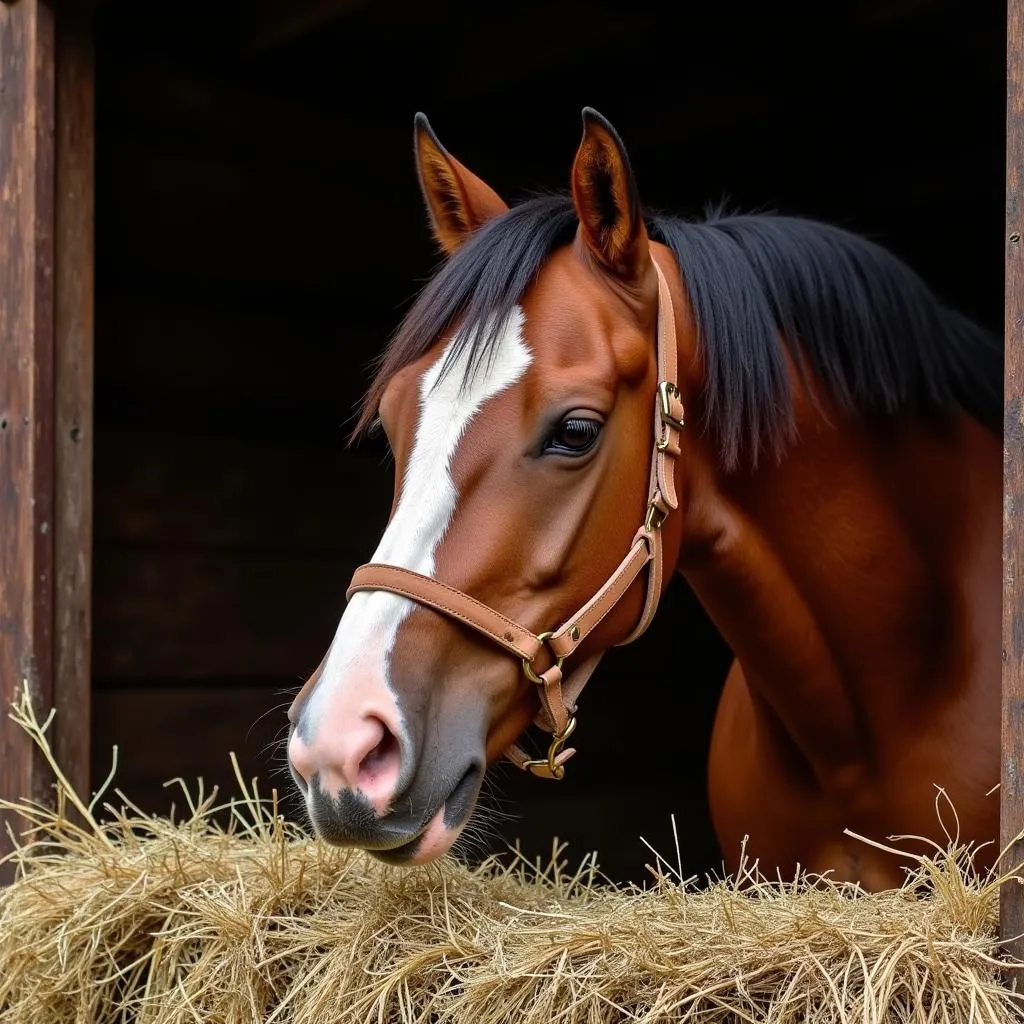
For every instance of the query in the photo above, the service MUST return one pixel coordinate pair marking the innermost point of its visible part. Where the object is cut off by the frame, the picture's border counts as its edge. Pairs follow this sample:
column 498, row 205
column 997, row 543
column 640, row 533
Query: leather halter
column 558, row 692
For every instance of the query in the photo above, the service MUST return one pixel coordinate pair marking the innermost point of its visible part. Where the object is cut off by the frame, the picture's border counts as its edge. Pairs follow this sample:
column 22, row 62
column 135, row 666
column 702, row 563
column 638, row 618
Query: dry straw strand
column 135, row 919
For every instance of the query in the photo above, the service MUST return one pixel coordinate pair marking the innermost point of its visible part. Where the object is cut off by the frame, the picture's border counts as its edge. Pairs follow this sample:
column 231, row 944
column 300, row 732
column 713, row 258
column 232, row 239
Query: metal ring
column 528, row 666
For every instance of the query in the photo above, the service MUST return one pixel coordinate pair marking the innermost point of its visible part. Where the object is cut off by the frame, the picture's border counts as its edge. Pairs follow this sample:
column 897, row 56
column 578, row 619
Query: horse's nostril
column 382, row 761
column 360, row 752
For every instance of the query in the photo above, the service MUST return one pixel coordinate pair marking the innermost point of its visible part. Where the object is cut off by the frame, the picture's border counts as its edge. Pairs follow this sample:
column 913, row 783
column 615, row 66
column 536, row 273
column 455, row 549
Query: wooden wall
column 46, row 345
column 259, row 231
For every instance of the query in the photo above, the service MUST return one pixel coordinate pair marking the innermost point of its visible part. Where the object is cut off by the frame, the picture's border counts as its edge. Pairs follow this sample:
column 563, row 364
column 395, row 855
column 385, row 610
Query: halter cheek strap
column 559, row 692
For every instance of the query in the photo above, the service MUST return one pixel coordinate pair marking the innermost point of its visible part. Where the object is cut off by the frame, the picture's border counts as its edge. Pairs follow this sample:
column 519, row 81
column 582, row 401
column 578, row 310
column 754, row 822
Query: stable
column 210, row 226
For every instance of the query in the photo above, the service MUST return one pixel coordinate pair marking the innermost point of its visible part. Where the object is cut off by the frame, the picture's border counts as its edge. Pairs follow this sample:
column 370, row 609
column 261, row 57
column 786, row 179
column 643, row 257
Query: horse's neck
column 848, row 577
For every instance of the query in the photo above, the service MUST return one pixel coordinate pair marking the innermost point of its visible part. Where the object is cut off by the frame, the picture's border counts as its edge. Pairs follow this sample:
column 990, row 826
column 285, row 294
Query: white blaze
column 367, row 631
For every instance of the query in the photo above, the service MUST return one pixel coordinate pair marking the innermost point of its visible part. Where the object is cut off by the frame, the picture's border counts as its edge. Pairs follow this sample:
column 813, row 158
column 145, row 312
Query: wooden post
column 26, row 381
column 1012, row 788
column 73, row 389
column 45, row 380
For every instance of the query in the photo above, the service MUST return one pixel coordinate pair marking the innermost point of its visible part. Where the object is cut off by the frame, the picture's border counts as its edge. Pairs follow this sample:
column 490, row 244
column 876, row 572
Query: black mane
column 850, row 314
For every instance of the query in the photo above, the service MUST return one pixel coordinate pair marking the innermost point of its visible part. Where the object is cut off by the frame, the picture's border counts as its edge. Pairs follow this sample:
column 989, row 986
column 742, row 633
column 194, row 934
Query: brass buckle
column 548, row 768
column 655, row 517
column 667, row 391
column 528, row 667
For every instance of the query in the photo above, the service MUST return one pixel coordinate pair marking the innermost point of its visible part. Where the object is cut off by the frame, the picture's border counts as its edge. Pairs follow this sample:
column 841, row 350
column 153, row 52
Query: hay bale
column 145, row 920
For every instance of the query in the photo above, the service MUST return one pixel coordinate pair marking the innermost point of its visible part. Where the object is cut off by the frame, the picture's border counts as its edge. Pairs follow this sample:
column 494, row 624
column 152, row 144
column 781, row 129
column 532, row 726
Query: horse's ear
column 606, row 198
column 457, row 200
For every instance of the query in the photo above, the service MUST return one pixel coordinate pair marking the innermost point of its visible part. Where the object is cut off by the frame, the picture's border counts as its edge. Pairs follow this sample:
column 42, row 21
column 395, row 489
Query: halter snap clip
column 549, row 768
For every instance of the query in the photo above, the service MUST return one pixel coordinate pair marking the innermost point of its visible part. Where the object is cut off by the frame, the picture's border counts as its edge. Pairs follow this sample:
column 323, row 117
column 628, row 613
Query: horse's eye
column 575, row 435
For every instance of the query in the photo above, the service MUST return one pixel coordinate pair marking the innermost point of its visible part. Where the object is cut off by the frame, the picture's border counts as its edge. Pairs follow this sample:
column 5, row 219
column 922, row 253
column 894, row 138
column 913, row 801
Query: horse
column 587, row 399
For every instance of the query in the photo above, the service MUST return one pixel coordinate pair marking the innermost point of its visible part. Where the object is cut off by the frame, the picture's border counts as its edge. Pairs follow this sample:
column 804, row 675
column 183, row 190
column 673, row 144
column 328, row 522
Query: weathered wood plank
column 178, row 490
column 187, row 615
column 254, row 372
column 1012, row 789
column 73, row 387
column 26, row 382
column 220, row 220
column 177, row 109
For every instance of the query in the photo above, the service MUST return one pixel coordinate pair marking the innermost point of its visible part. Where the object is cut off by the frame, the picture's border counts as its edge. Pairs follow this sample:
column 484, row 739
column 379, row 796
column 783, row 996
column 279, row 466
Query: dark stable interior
column 260, row 232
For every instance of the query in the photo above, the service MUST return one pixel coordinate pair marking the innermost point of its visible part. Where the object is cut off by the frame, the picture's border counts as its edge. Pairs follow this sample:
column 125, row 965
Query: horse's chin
column 431, row 844
column 444, row 827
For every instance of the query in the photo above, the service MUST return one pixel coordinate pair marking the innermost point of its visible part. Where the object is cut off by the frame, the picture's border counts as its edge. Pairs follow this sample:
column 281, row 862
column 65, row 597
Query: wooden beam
column 73, row 388
column 46, row 253
column 1012, row 788
column 26, row 383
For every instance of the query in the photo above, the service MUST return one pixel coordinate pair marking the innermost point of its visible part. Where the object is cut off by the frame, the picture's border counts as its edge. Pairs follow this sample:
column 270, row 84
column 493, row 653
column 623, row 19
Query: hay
column 144, row 920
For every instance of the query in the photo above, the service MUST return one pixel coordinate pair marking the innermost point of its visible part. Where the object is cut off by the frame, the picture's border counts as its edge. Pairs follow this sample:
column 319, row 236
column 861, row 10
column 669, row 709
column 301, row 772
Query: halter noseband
column 558, row 693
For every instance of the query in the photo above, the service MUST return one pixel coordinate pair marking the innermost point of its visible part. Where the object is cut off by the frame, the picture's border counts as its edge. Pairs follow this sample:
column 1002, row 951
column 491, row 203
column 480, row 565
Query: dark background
column 260, row 231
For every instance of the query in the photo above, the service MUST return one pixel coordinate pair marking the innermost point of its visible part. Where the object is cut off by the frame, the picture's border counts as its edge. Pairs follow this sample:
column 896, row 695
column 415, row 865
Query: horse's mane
column 853, row 317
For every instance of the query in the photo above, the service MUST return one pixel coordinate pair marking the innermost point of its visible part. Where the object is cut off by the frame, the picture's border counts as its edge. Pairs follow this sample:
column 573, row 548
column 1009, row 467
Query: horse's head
column 517, row 399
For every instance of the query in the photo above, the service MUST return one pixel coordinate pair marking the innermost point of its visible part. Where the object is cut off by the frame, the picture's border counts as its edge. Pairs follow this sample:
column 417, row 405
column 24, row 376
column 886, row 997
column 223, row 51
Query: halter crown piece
column 558, row 690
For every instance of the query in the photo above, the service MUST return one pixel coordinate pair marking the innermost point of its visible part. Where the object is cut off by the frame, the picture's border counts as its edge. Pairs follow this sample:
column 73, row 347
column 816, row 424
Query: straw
column 143, row 919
